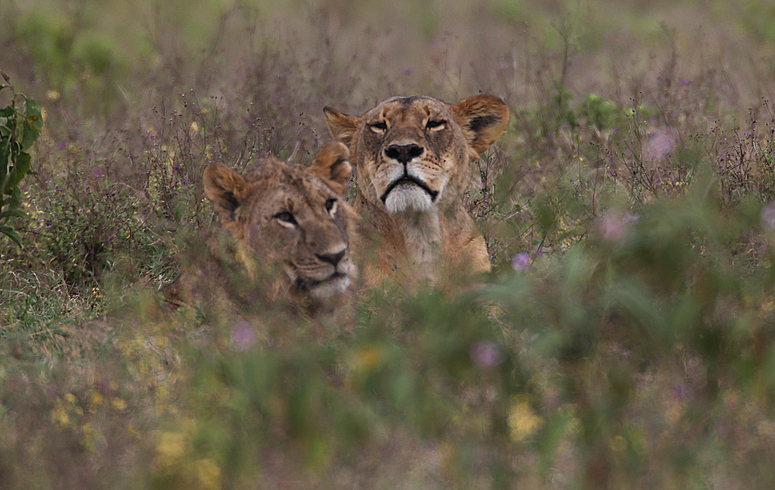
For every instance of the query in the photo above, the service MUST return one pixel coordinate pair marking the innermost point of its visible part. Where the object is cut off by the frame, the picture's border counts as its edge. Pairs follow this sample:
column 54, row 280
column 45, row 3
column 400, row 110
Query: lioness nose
column 331, row 258
column 403, row 153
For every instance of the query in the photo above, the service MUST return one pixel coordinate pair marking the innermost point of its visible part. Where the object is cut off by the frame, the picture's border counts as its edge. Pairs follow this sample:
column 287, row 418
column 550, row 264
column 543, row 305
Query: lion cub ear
column 333, row 166
column 224, row 187
column 343, row 128
column 484, row 118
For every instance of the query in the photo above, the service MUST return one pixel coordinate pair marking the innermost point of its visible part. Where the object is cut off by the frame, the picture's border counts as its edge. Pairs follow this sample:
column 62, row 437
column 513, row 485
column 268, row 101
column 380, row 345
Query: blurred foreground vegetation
column 624, row 340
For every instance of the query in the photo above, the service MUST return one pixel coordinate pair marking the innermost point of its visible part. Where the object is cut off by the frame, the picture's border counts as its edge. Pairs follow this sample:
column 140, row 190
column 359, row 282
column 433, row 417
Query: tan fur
column 412, row 158
column 281, row 217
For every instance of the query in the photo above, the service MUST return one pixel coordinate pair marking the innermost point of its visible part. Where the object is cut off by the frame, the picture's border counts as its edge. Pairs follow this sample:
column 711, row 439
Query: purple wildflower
column 613, row 226
column 243, row 335
column 487, row 355
column 521, row 262
column 768, row 216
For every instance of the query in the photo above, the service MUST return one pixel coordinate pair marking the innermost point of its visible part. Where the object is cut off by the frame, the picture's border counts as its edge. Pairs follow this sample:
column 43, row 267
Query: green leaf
column 12, row 201
column 10, row 233
column 5, row 162
column 5, row 132
column 33, row 124
column 19, row 170
column 13, row 213
column 15, row 199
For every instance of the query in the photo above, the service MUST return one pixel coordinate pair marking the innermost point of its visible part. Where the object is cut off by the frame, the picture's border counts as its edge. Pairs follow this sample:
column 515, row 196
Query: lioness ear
column 224, row 186
column 333, row 166
column 484, row 118
column 342, row 127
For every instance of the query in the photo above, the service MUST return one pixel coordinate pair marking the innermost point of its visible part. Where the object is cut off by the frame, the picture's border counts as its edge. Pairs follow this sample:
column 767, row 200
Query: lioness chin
column 282, row 218
column 412, row 157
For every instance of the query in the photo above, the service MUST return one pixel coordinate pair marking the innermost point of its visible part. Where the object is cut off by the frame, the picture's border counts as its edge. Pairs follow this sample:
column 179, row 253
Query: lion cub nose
column 331, row 258
column 403, row 153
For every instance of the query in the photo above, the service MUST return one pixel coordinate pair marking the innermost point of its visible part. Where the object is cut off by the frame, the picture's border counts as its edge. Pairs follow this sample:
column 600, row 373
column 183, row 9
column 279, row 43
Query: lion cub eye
column 435, row 125
column 379, row 127
column 286, row 219
column 332, row 206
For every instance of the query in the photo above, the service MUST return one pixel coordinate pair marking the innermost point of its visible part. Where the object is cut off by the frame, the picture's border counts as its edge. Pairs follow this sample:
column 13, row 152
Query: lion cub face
column 286, row 214
column 412, row 153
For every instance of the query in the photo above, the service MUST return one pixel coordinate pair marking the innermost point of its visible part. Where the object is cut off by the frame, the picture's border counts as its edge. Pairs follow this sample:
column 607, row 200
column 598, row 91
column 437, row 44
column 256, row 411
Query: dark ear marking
column 484, row 118
column 223, row 186
column 231, row 202
column 476, row 124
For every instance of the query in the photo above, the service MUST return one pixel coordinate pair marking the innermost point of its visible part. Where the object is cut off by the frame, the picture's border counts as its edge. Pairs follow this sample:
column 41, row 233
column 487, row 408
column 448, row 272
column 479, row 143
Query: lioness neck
column 419, row 243
column 423, row 240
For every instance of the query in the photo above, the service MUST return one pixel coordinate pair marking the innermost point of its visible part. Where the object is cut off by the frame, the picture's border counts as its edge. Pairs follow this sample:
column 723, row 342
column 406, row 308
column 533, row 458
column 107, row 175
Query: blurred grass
column 624, row 340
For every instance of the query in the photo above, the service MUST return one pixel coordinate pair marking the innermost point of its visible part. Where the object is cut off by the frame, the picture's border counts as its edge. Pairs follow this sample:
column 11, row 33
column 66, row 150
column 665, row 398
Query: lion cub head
column 286, row 213
column 282, row 218
column 412, row 156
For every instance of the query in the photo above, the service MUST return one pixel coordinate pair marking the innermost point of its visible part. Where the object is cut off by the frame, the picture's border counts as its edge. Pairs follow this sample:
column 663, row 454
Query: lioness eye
column 331, row 206
column 286, row 219
column 379, row 127
column 435, row 125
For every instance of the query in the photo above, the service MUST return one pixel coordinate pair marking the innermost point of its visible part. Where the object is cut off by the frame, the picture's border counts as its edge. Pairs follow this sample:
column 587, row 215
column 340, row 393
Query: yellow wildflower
column 523, row 422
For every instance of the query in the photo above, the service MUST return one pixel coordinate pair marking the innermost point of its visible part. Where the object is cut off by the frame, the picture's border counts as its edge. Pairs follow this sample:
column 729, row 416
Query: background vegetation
column 624, row 340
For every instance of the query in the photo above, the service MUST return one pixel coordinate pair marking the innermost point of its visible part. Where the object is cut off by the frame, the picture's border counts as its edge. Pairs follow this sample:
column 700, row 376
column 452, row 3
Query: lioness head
column 412, row 153
column 412, row 156
column 288, row 214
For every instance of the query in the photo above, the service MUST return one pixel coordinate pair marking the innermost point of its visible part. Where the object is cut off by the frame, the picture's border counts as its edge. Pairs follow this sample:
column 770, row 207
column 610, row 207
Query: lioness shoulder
column 412, row 157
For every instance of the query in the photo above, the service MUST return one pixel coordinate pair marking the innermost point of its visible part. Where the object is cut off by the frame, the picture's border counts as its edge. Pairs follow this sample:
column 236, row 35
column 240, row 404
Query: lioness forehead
column 422, row 105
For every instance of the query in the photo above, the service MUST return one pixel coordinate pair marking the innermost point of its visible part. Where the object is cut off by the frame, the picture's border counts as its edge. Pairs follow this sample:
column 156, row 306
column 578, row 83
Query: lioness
column 281, row 214
column 412, row 157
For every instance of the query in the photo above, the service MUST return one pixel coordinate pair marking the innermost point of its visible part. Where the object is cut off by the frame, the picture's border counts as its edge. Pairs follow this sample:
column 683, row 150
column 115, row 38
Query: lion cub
column 288, row 230
column 412, row 157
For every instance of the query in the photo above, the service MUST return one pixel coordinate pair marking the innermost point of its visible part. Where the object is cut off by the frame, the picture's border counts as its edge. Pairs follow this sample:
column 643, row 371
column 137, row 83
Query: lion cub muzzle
column 332, row 258
column 334, row 282
column 327, row 268
column 406, row 189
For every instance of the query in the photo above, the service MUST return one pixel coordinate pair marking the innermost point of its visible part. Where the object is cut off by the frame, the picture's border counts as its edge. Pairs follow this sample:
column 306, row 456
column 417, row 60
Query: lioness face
column 288, row 214
column 409, row 150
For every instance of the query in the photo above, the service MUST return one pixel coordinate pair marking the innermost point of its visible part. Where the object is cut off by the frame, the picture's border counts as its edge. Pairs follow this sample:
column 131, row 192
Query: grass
column 624, row 339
